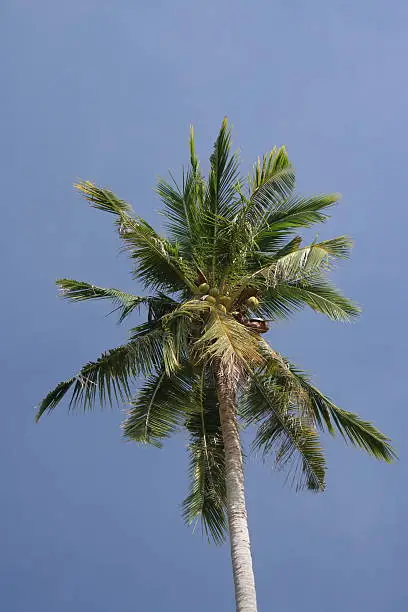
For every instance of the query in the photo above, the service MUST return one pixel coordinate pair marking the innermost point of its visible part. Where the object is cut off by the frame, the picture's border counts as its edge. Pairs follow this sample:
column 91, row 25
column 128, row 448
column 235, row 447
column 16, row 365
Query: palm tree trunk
column 244, row 582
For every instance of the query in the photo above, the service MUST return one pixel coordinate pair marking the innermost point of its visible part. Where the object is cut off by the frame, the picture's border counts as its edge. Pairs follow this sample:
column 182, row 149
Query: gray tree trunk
column 244, row 582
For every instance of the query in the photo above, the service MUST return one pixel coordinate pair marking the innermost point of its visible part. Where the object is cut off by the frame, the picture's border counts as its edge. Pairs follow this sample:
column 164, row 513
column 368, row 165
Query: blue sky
column 106, row 91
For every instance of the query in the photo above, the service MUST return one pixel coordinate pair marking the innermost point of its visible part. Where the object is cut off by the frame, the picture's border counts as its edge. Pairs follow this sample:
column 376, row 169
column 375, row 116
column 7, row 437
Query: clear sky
column 105, row 91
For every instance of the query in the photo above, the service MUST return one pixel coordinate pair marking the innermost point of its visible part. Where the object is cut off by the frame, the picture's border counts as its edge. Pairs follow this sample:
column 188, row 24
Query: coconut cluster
column 212, row 296
column 224, row 302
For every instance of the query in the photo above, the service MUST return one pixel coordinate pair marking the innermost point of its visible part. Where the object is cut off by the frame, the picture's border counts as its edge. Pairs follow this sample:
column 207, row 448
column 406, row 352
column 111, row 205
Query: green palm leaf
column 78, row 291
column 321, row 410
column 284, row 430
column 316, row 293
column 158, row 408
column 305, row 262
column 271, row 184
column 109, row 378
column 267, row 168
column 182, row 205
column 223, row 177
column 158, row 261
column 352, row 428
column 221, row 202
column 103, row 199
column 293, row 213
column 206, row 501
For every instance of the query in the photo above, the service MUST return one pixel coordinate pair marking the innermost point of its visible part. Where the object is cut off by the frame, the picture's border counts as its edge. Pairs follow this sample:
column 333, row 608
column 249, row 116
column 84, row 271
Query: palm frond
column 226, row 340
column 323, row 297
column 221, row 201
column 235, row 246
column 175, row 348
column 301, row 212
column 103, row 199
column 352, row 428
column 183, row 205
column 158, row 261
column 179, row 327
column 78, row 291
column 305, row 262
column 180, row 207
column 223, row 176
column 284, row 431
column 271, row 183
column 321, row 410
column 293, row 213
column 109, row 378
column 315, row 257
column 317, row 293
column 206, row 501
column 158, row 408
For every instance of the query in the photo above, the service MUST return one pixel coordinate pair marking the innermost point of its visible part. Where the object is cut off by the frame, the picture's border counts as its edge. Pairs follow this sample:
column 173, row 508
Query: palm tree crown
column 231, row 266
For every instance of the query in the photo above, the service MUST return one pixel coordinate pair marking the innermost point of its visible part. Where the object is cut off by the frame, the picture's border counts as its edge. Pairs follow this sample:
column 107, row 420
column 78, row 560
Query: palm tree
column 230, row 267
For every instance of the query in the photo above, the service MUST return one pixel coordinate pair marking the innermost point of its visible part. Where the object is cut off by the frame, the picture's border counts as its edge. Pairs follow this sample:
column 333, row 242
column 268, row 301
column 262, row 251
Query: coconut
column 210, row 299
column 214, row 292
column 204, row 288
column 252, row 302
column 226, row 301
